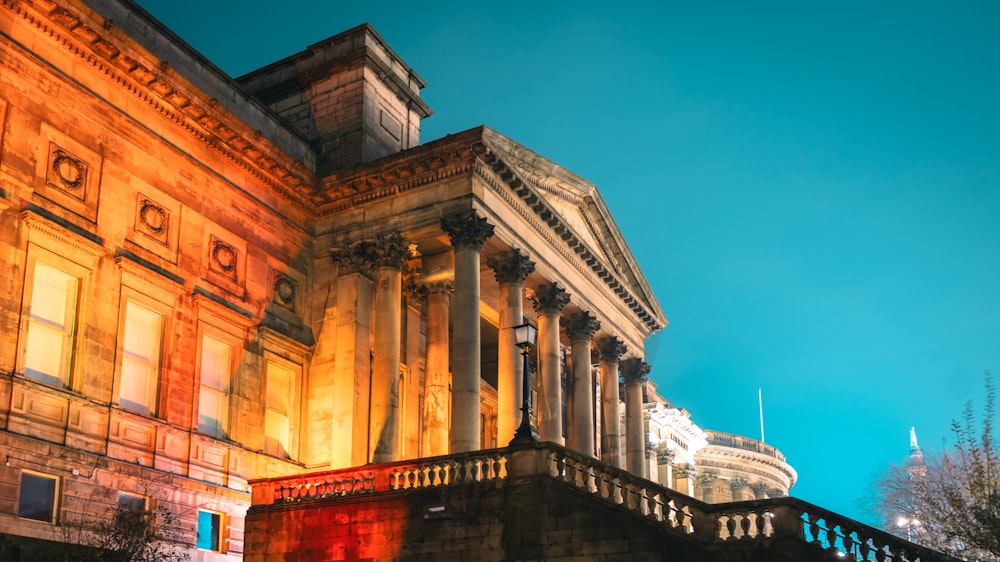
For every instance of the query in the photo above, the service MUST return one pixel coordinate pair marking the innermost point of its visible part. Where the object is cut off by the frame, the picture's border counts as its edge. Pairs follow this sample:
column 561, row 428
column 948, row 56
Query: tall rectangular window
column 277, row 403
column 51, row 322
column 141, row 343
column 213, row 394
column 209, row 530
column 36, row 497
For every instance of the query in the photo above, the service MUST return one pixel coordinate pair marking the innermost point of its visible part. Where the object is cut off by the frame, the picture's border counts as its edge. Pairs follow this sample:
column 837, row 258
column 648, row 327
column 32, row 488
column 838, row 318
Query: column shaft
column 385, row 366
column 581, row 430
column 549, row 385
column 436, row 396
column 610, row 350
column 635, row 449
column 509, row 362
column 466, row 427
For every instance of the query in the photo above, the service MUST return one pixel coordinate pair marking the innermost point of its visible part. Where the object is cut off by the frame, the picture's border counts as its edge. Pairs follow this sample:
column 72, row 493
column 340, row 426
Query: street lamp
column 524, row 337
column 910, row 524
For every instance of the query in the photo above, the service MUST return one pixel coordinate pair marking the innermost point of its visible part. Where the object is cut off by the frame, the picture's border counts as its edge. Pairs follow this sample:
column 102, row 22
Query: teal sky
column 812, row 189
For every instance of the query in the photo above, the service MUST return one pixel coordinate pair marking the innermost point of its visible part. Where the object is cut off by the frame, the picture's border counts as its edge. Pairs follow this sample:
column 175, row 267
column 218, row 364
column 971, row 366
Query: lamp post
column 911, row 525
column 524, row 337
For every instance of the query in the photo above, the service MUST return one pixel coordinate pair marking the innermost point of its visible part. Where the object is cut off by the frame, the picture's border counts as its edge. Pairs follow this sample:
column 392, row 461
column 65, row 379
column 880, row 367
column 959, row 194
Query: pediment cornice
column 94, row 40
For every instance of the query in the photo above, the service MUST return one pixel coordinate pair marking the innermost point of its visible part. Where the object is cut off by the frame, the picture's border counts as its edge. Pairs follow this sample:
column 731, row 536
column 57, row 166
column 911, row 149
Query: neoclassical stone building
column 212, row 280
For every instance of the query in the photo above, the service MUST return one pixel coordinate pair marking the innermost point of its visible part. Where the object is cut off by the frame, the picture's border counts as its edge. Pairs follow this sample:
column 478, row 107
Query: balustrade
column 737, row 524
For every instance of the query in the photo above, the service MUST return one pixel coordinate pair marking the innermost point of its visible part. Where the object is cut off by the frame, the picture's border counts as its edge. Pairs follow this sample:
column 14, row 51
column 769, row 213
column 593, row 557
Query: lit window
column 213, row 396
column 37, row 497
column 277, row 409
column 52, row 317
column 140, row 358
column 209, row 530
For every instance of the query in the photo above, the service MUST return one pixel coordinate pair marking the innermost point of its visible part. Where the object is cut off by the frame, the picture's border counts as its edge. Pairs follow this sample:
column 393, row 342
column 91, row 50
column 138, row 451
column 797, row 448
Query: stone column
column 548, row 302
column 467, row 232
column 352, row 357
column 634, row 372
column 609, row 351
column 510, row 269
column 580, row 328
column 390, row 253
column 437, row 399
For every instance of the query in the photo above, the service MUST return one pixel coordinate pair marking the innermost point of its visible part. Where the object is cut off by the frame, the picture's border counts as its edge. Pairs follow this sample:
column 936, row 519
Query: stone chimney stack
column 350, row 95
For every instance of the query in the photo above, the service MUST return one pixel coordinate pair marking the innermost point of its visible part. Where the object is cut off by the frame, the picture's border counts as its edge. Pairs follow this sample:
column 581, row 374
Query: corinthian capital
column 550, row 299
column 610, row 349
column 511, row 266
column 354, row 259
column 633, row 370
column 580, row 325
column 467, row 231
column 390, row 251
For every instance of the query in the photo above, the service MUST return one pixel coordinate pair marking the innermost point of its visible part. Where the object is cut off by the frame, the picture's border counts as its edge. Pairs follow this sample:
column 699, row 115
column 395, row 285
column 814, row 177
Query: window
column 209, row 530
column 140, row 358
column 51, row 322
column 277, row 402
column 213, row 395
column 37, row 497
column 131, row 502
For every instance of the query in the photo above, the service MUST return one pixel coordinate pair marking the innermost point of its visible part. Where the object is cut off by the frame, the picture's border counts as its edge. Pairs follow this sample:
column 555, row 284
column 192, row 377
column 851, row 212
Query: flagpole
column 760, row 404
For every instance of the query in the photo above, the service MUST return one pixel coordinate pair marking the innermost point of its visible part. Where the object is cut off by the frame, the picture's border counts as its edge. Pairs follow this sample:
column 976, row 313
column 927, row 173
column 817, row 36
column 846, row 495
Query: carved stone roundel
column 153, row 217
column 70, row 172
column 284, row 291
column 224, row 257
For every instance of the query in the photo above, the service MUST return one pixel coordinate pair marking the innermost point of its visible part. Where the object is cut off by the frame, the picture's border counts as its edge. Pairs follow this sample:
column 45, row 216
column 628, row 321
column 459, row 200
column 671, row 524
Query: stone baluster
column 634, row 372
column 549, row 301
column 437, row 378
column 609, row 352
column 467, row 232
column 580, row 328
column 389, row 254
column 510, row 268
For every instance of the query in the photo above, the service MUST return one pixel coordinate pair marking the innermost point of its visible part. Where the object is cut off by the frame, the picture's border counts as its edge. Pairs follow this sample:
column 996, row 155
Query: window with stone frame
column 215, row 368
column 128, row 501
column 142, row 339
column 52, row 314
column 279, row 394
column 210, row 527
column 37, row 496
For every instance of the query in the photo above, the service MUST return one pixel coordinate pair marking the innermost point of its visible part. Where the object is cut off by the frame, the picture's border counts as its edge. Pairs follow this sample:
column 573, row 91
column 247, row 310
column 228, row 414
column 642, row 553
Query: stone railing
column 476, row 466
column 730, row 526
column 740, row 442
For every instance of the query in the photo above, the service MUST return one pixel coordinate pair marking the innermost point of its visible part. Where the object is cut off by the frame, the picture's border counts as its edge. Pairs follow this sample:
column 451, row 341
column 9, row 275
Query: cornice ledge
column 396, row 174
column 203, row 119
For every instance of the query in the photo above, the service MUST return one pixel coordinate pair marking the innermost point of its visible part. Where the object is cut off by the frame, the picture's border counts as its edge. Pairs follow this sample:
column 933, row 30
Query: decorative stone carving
column 580, row 325
column 357, row 258
column 736, row 484
column 390, row 251
column 467, row 231
column 152, row 220
column 223, row 258
column 549, row 299
column 67, row 172
column 439, row 288
column 759, row 490
column 633, row 370
column 285, row 290
column 664, row 456
column 511, row 266
column 610, row 349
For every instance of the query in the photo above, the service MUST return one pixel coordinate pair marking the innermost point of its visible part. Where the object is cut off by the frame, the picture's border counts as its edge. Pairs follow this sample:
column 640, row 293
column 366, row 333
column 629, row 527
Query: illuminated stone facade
column 205, row 287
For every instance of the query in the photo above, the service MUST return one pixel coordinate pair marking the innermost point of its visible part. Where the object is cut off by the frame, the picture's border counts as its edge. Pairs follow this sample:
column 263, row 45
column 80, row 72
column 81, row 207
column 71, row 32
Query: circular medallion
column 69, row 170
column 224, row 256
column 153, row 217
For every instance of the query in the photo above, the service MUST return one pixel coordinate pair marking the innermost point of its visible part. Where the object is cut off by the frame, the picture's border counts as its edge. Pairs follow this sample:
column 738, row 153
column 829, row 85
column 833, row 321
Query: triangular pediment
column 579, row 210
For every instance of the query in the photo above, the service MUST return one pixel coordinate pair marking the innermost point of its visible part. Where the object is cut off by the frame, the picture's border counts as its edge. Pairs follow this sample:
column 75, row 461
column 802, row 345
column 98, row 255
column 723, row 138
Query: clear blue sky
column 811, row 188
